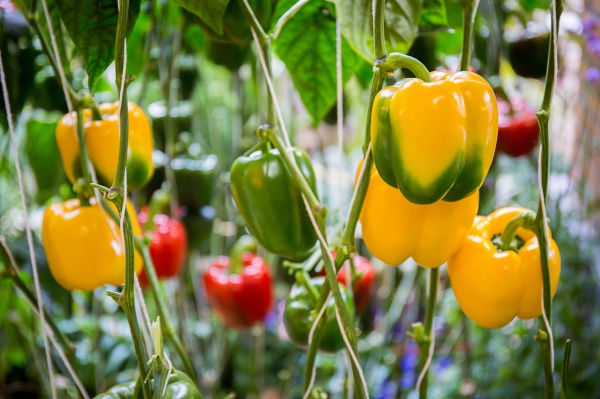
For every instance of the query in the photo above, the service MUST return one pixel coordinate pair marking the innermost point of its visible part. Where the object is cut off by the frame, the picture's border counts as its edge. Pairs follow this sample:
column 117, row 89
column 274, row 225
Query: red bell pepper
column 517, row 132
column 168, row 244
column 363, row 286
column 239, row 287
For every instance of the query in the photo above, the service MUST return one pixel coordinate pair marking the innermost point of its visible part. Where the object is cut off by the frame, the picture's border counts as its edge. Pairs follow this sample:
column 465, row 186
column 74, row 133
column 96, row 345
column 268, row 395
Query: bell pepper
column 83, row 245
column 365, row 280
column 179, row 386
column 493, row 286
column 435, row 140
column 395, row 229
column 239, row 287
column 518, row 131
column 195, row 178
column 199, row 225
column 168, row 244
column 300, row 312
column 271, row 203
column 102, row 143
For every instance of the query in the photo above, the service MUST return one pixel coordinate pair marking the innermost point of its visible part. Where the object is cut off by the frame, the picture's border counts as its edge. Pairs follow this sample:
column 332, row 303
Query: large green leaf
column 401, row 24
column 433, row 16
column 92, row 25
column 307, row 46
column 210, row 11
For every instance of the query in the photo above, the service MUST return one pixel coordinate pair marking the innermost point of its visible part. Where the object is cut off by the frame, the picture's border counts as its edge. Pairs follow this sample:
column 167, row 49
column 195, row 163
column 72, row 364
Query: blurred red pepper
column 365, row 280
column 239, row 287
column 517, row 132
column 168, row 244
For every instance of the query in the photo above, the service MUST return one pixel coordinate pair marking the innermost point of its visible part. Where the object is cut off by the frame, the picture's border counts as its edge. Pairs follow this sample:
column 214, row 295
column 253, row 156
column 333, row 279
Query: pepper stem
column 244, row 244
column 303, row 279
column 525, row 220
column 396, row 61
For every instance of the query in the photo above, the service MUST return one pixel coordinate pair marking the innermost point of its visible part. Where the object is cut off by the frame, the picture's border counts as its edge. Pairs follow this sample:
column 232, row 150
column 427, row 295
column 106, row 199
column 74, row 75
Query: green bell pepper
column 180, row 386
column 271, row 203
column 300, row 313
column 195, row 179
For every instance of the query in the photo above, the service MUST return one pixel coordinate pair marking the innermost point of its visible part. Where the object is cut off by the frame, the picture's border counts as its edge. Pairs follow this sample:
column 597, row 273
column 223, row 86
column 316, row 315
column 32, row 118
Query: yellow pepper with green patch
column 435, row 140
column 102, row 144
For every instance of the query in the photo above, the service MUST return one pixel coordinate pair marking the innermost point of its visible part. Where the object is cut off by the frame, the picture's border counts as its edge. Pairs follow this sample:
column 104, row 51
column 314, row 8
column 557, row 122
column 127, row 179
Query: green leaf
column 433, row 16
column 401, row 24
column 307, row 46
column 92, row 25
column 531, row 5
column 210, row 11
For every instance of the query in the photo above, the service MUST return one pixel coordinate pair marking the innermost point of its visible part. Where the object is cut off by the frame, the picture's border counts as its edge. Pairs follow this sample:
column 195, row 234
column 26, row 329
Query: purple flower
column 592, row 75
column 593, row 46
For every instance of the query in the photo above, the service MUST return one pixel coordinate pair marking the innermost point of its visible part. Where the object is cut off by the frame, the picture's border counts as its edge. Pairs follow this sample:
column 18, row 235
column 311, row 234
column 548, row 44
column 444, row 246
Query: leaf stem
column 286, row 17
column 263, row 38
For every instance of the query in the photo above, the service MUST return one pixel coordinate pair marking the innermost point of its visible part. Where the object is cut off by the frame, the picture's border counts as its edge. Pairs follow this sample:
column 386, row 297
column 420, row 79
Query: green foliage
column 433, row 16
column 307, row 46
column 92, row 25
column 210, row 11
column 401, row 24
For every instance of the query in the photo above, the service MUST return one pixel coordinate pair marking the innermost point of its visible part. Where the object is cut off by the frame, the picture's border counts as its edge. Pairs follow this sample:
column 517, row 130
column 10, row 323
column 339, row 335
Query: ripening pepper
column 493, row 286
column 435, row 140
column 168, row 244
column 518, row 128
column 300, row 312
column 239, row 287
column 395, row 229
column 271, row 203
column 102, row 144
column 179, row 386
column 83, row 245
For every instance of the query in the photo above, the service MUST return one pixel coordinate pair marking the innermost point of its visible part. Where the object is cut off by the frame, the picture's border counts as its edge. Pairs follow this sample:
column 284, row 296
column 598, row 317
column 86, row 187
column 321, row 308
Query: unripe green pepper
column 271, row 203
column 300, row 314
column 180, row 386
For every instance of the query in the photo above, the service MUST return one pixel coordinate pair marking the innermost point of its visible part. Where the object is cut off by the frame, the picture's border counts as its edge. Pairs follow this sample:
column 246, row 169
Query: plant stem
column 543, row 115
column 263, row 38
column 379, row 29
column 469, row 11
column 83, row 157
column 424, row 335
column 122, row 82
column 166, row 325
column 286, row 17
column 127, row 297
column 267, row 132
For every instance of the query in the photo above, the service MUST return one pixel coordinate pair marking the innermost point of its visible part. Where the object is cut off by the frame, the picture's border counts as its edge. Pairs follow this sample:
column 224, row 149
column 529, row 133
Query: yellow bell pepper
column 83, row 245
column 435, row 140
column 493, row 286
column 102, row 144
column 395, row 229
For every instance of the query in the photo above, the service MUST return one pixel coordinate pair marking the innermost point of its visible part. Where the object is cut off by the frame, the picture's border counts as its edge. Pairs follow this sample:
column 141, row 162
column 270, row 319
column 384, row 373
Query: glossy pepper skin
column 179, row 386
column 102, row 144
column 518, row 133
column 300, row 313
column 394, row 229
column 83, row 245
column 435, row 140
column 240, row 299
column 493, row 286
column 271, row 203
column 168, row 244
